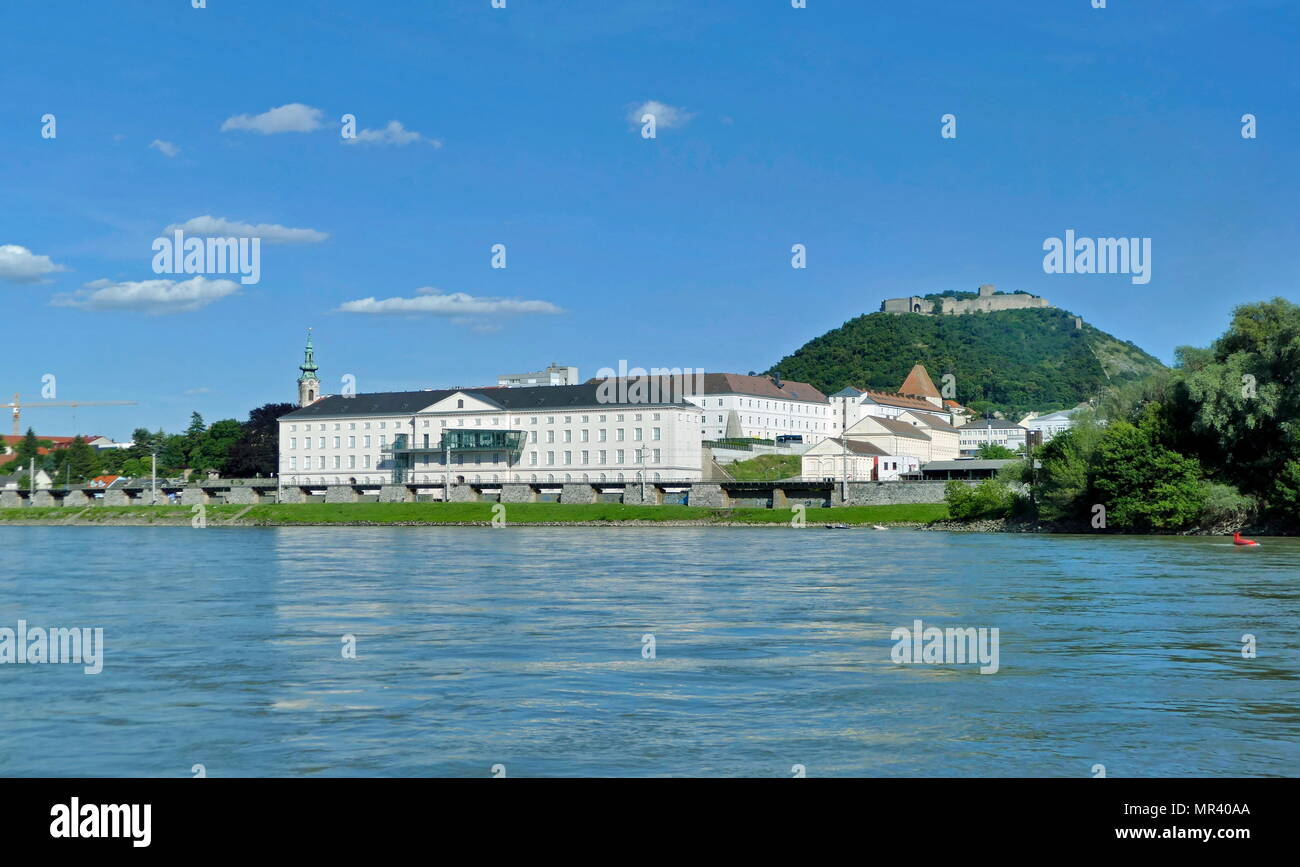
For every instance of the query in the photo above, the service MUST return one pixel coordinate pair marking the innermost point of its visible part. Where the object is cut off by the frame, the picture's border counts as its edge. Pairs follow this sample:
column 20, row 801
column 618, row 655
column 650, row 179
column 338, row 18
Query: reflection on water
column 522, row 646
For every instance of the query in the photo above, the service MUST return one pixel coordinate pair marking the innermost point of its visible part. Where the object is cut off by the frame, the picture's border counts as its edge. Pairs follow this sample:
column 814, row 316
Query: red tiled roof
column 918, row 382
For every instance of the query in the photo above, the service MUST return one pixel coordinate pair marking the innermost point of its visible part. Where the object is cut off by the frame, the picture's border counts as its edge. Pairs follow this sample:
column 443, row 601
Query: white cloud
column 393, row 134
column 203, row 390
column 20, row 265
column 272, row 233
column 294, row 117
column 148, row 296
column 168, row 149
column 432, row 302
column 666, row 116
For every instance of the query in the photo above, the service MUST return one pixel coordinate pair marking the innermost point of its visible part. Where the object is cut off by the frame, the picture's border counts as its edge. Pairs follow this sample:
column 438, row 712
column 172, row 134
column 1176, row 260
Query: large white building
column 762, row 407
column 556, row 433
column 737, row 406
column 991, row 431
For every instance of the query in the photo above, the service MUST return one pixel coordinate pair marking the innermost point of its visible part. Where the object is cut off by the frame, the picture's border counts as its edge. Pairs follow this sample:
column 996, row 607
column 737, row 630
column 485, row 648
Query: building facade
column 554, row 374
column 546, row 434
column 990, row 431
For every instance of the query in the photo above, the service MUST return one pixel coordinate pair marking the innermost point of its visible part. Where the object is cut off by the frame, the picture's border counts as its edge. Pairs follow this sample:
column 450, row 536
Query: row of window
column 476, row 479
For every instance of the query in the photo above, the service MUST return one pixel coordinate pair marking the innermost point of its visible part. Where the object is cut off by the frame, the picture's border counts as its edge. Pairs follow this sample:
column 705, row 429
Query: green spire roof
column 308, row 366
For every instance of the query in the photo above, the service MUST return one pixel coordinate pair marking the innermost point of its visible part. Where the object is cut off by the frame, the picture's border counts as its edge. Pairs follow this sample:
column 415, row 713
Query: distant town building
column 989, row 300
column 1052, row 423
column 554, row 374
column 834, row 458
column 917, row 394
column 994, row 431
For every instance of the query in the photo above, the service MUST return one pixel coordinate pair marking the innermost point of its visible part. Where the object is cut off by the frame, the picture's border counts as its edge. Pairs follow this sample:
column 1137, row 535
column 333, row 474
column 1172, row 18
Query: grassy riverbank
column 271, row 515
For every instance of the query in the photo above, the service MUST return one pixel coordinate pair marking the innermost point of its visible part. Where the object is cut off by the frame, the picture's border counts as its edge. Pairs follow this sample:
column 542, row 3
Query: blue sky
column 818, row 126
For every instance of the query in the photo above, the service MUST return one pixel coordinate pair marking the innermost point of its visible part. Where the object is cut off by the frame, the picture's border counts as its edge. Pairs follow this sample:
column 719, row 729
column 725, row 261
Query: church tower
column 308, row 383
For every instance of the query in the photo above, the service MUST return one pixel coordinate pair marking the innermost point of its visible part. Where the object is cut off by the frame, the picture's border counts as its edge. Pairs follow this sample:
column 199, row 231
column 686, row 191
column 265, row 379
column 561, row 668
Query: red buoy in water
column 1238, row 539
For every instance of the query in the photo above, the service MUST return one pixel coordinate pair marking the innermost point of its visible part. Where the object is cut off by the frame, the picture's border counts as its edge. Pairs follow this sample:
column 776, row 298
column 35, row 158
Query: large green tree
column 257, row 451
column 1239, row 399
column 1142, row 484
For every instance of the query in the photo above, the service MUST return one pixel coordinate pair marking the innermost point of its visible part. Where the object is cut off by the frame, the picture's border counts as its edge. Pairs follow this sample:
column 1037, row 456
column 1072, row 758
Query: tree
column 1241, row 399
column 80, row 462
column 994, row 452
column 257, row 451
column 1142, row 484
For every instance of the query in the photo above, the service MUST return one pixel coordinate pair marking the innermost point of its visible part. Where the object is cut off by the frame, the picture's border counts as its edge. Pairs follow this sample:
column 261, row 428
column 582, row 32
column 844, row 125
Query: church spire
column 308, row 366
column 308, row 383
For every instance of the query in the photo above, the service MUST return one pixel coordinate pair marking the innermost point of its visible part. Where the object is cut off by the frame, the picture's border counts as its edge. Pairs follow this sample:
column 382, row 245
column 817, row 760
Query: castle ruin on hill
column 988, row 301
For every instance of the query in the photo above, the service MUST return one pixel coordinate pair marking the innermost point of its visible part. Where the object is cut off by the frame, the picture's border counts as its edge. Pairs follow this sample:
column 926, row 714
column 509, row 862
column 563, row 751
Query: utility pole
column 31, row 482
column 153, row 477
column 844, row 453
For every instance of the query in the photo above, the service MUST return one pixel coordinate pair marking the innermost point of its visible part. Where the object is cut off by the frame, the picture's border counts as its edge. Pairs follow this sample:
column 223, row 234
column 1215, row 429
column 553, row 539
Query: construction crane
column 17, row 406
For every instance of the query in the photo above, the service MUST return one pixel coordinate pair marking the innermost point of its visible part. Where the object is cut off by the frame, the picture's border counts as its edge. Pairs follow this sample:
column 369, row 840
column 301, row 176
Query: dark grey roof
column 966, row 465
column 543, row 397
column 847, row 391
column 859, row 448
column 901, row 428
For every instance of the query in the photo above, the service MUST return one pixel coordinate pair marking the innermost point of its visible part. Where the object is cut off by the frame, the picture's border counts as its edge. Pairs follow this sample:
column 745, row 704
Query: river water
column 525, row 647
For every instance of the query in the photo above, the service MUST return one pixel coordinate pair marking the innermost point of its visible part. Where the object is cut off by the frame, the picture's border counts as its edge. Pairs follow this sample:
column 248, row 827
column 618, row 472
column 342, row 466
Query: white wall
column 554, row 451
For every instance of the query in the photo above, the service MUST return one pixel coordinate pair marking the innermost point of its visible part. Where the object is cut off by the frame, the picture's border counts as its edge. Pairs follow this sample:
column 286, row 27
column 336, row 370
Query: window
column 618, row 434
column 656, row 433
column 532, row 458
column 584, row 436
column 618, row 456
column 600, row 456
column 636, row 434
column 293, row 427
column 337, row 464
column 550, row 436
column 532, row 436
column 352, row 442
column 293, row 442
column 602, row 435
column 586, row 457
column 293, row 463
column 365, row 461
column 568, row 436
column 657, row 459
column 353, row 425
column 460, row 403
column 322, row 443
column 550, row 459
column 365, row 441
column 568, row 458
column 306, row 462
column 352, row 462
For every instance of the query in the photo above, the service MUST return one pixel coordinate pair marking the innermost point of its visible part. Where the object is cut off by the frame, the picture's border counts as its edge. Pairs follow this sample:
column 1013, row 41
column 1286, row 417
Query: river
column 526, row 648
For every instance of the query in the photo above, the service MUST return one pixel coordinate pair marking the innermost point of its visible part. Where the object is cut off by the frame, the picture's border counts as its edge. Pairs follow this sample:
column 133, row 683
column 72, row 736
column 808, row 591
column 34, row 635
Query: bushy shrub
column 989, row 499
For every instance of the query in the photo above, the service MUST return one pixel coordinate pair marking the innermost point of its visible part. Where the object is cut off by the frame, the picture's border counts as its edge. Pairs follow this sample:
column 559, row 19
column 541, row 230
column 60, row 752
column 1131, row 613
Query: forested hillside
column 1011, row 361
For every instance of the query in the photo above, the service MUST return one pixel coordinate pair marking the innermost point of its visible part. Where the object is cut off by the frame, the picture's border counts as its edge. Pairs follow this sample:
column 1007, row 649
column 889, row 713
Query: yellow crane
column 17, row 406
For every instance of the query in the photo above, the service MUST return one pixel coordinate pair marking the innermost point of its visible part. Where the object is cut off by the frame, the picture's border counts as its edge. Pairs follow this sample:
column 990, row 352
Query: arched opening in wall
column 916, row 308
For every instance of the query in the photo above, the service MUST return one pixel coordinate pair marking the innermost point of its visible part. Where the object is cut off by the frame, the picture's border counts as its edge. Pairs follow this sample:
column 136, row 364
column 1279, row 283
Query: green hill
column 1012, row 361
